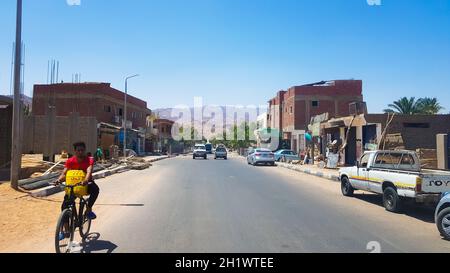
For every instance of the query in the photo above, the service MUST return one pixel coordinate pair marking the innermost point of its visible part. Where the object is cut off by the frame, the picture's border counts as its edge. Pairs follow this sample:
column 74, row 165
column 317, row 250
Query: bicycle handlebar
column 72, row 186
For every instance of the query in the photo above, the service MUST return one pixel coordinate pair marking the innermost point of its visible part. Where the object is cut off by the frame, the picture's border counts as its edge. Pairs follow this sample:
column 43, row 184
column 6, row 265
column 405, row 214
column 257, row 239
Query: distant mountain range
column 229, row 117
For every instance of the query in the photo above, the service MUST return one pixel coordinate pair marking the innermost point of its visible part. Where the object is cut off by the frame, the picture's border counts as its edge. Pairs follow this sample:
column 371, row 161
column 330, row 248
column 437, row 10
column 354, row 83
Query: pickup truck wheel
column 443, row 223
column 346, row 187
column 391, row 200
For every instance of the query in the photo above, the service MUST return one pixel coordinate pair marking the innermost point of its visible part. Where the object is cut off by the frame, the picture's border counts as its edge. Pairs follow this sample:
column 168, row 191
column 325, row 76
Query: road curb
column 48, row 191
column 330, row 177
column 158, row 159
column 98, row 175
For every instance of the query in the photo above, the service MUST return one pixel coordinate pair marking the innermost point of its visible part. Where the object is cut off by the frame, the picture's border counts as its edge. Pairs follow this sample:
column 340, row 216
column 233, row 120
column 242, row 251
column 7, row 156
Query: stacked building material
column 428, row 158
column 394, row 142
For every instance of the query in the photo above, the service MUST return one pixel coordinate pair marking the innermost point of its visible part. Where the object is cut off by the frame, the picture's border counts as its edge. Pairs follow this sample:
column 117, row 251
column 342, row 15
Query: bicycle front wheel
column 64, row 232
column 85, row 222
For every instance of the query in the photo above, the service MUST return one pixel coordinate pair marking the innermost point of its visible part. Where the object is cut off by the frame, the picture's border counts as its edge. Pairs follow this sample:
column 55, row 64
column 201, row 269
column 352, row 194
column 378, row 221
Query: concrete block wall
column 48, row 136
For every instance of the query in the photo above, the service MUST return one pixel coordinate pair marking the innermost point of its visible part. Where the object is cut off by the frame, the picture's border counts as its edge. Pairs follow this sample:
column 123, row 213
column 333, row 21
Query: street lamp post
column 125, row 116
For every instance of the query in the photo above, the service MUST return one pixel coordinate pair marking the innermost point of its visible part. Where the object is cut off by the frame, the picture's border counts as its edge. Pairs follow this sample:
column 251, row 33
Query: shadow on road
column 93, row 244
column 265, row 165
column 420, row 212
column 119, row 205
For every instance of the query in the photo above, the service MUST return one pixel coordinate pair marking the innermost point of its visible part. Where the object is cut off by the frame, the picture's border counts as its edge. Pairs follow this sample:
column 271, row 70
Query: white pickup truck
column 397, row 175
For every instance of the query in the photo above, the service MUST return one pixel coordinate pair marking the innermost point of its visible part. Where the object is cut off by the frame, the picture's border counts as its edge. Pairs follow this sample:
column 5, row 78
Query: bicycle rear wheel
column 65, row 226
column 85, row 223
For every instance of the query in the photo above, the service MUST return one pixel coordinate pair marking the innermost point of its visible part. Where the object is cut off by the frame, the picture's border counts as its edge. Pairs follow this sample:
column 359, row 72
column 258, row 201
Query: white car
column 443, row 216
column 200, row 151
column 395, row 175
column 261, row 156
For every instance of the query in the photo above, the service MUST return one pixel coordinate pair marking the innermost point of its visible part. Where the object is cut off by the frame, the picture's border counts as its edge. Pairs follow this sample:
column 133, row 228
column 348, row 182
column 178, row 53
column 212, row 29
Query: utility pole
column 125, row 116
column 16, row 153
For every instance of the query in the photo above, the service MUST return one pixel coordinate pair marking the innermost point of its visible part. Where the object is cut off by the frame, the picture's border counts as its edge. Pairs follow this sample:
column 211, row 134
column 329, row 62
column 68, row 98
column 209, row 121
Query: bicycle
column 71, row 219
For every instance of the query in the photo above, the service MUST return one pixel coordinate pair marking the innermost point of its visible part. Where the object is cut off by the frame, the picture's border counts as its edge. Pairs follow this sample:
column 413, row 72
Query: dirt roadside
column 24, row 219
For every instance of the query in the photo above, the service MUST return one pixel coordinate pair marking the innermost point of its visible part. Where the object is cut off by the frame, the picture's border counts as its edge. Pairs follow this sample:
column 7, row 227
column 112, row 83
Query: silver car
column 200, row 151
column 221, row 152
column 261, row 156
column 443, row 216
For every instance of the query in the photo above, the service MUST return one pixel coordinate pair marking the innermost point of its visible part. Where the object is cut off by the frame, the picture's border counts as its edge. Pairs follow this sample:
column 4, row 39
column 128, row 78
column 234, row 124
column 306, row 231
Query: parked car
column 200, row 151
column 221, row 152
column 397, row 175
column 261, row 156
column 443, row 216
column 286, row 156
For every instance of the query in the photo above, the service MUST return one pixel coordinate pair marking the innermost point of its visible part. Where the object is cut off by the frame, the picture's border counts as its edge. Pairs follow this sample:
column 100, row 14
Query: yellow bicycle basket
column 74, row 177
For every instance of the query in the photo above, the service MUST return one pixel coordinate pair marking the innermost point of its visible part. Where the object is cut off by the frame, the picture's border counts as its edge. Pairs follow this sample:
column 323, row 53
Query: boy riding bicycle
column 83, row 163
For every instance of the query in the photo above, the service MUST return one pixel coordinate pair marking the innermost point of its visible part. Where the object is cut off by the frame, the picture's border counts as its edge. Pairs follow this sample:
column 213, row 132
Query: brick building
column 161, row 135
column 291, row 111
column 98, row 100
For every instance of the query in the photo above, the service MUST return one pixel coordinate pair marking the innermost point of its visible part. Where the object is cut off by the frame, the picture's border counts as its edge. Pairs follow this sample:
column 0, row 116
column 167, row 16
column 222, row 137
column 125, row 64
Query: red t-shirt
column 73, row 164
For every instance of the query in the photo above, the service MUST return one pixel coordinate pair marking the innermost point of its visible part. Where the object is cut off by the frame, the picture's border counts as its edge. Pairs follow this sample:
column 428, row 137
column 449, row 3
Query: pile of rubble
column 45, row 173
column 135, row 163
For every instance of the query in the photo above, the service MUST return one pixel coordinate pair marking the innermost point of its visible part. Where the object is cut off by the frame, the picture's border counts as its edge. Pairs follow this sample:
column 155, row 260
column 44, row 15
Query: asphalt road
column 182, row 205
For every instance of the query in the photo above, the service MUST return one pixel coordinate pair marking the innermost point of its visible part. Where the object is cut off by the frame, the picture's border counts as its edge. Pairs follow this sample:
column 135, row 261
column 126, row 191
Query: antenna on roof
column 48, row 70
column 53, row 72
column 23, row 69
column 57, row 72
column 12, row 65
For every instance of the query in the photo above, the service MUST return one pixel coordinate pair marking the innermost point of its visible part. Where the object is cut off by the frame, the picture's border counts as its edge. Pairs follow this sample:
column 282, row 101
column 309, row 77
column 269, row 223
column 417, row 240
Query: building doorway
column 369, row 135
column 350, row 150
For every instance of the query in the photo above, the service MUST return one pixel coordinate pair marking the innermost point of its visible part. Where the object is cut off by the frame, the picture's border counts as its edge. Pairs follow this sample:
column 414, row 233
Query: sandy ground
column 22, row 217
column 25, row 220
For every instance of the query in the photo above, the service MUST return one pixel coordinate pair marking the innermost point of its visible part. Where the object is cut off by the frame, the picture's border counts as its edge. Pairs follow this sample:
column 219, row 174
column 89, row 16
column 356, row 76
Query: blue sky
column 236, row 51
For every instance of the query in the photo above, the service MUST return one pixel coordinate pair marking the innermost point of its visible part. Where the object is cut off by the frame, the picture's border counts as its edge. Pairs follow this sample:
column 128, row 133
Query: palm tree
column 407, row 106
column 430, row 106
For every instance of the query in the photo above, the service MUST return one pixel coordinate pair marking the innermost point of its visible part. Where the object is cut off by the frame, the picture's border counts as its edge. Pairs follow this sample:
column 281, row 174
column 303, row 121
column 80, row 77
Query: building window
column 315, row 103
column 292, row 109
column 120, row 112
column 107, row 108
column 416, row 125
